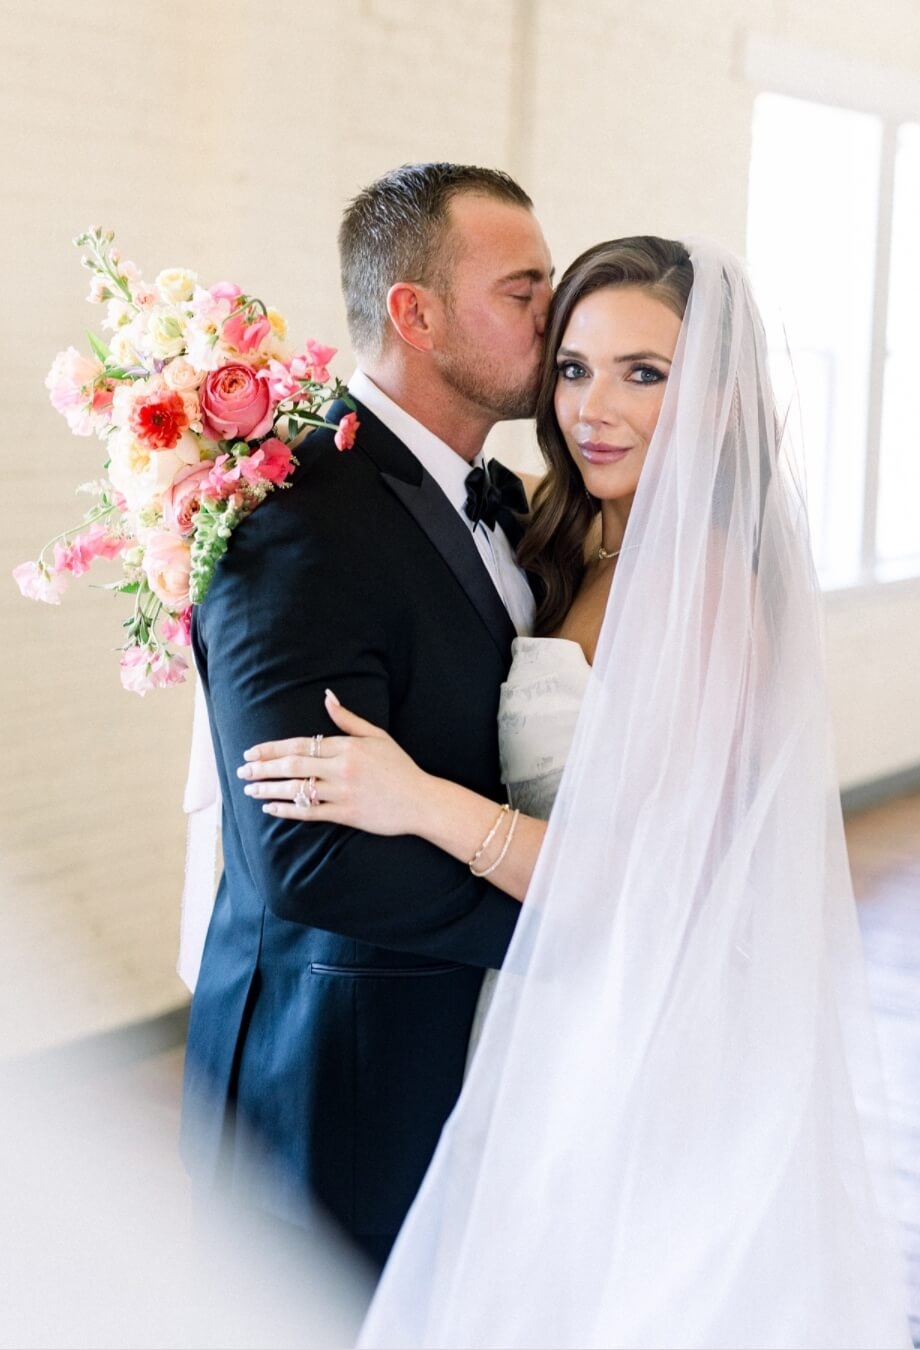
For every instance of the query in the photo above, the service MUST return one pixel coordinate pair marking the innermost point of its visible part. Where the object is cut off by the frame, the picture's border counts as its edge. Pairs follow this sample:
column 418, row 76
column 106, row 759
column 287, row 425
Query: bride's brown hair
column 554, row 545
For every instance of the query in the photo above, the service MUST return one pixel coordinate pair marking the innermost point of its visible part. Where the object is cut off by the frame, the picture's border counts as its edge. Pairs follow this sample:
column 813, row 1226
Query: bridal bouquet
column 198, row 400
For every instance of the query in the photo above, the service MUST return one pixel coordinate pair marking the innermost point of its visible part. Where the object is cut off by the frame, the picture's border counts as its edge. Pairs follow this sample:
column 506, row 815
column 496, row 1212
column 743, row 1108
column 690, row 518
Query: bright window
column 832, row 247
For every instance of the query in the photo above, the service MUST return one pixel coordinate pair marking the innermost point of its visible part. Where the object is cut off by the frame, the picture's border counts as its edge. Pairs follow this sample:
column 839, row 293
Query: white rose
column 176, row 284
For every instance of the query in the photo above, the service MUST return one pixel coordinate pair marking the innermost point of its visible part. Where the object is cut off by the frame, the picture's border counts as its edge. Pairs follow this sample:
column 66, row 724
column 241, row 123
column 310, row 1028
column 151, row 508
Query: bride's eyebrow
column 573, row 354
column 642, row 356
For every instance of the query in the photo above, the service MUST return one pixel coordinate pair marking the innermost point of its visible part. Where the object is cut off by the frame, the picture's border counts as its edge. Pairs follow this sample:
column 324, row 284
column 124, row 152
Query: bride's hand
column 362, row 778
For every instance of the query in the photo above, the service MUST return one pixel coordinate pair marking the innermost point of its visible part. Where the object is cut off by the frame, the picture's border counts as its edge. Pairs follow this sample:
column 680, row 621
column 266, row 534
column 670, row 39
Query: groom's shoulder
column 325, row 478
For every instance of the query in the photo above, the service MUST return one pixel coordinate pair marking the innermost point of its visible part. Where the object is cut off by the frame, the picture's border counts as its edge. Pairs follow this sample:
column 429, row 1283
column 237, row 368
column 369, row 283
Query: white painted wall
column 228, row 136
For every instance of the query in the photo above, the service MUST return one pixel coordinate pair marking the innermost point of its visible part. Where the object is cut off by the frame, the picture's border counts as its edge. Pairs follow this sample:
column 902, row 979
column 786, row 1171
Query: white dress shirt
column 449, row 471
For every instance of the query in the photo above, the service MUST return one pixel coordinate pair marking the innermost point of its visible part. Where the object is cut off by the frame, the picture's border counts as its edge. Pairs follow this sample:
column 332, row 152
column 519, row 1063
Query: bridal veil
column 672, row 1132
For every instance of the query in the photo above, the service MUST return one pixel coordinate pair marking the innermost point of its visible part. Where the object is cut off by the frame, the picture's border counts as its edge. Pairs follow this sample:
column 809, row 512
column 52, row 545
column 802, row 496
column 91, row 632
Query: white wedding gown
column 671, row 1133
column 537, row 712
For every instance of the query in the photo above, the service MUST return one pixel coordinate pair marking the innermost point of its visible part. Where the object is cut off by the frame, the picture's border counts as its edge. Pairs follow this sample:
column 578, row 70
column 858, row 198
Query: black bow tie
column 491, row 490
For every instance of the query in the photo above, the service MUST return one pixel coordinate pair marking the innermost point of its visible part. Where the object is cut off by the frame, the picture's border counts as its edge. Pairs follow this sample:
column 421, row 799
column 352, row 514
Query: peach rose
column 167, row 563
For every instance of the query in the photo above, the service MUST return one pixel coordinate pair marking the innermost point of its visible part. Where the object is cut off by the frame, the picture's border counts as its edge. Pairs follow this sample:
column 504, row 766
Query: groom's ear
column 411, row 308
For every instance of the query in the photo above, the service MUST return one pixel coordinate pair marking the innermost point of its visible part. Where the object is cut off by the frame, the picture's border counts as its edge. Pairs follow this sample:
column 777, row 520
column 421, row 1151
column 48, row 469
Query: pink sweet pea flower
column 272, row 461
column 71, row 385
column 347, row 431
column 244, row 335
column 169, row 670
column 220, row 482
column 146, row 668
column 37, row 582
column 135, row 667
column 226, row 290
column 82, row 551
column 178, row 629
column 314, row 364
column 281, row 383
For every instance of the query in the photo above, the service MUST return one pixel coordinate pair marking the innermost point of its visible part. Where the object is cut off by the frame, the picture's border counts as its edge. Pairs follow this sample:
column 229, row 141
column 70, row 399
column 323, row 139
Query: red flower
column 158, row 419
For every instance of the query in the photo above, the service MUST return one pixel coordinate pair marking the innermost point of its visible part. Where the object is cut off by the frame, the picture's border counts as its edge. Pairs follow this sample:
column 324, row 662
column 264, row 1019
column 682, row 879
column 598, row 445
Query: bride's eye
column 646, row 375
column 570, row 370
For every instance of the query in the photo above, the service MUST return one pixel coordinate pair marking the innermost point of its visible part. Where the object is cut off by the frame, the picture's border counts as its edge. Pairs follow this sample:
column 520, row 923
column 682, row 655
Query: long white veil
column 667, row 1137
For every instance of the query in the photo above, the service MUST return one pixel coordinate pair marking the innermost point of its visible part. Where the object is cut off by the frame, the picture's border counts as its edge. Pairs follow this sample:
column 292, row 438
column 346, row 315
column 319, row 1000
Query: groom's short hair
column 396, row 230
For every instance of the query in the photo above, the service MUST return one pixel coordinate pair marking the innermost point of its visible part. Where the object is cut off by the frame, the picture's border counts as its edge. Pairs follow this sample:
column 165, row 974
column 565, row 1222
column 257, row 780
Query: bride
column 670, row 1133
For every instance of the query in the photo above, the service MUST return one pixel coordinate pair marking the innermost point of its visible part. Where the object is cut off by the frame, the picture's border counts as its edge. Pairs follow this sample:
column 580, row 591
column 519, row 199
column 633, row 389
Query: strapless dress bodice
column 537, row 712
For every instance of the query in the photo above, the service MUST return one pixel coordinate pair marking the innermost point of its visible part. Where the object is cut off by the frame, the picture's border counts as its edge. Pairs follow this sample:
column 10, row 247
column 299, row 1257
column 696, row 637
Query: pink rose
column 243, row 334
column 71, row 385
column 182, row 498
column 348, row 430
column 167, row 563
column 235, row 403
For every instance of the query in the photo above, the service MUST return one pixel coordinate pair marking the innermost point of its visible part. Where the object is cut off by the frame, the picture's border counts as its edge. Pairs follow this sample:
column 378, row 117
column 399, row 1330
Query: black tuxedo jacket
column 329, row 1026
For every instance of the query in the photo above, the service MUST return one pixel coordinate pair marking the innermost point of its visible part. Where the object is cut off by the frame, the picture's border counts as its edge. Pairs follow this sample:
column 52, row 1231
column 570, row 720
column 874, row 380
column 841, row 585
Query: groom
column 330, row 1022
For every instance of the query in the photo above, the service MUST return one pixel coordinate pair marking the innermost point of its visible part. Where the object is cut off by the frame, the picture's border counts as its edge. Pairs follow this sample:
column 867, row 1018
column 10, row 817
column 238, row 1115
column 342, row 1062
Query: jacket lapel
column 418, row 492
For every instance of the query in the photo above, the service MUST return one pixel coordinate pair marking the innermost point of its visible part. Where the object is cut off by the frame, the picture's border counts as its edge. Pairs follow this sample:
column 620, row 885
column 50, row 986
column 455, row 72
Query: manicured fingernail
column 332, row 698
column 250, row 790
column 250, row 754
column 244, row 771
column 269, row 808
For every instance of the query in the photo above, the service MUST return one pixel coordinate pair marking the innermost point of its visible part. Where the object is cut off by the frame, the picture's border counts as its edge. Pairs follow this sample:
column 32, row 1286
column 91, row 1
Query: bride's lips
column 596, row 452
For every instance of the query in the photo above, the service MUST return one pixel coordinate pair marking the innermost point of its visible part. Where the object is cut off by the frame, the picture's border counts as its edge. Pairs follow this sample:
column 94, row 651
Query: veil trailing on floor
column 671, row 1133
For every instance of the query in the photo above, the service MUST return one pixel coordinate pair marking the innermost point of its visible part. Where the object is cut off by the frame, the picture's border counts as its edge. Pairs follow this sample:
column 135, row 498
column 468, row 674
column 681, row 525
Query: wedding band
column 302, row 796
column 315, row 743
